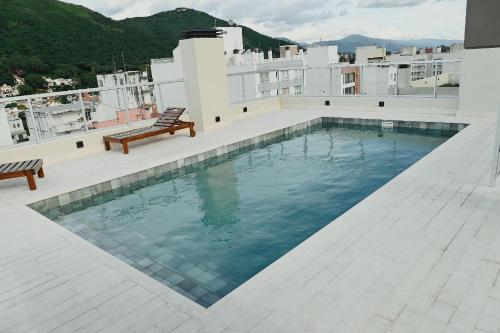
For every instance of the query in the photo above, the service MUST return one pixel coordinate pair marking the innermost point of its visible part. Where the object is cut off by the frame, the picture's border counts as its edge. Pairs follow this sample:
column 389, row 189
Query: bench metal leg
column 31, row 180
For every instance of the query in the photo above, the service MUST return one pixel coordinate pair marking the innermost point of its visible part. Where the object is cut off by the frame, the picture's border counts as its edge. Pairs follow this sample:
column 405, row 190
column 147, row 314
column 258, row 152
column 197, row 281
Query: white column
column 205, row 79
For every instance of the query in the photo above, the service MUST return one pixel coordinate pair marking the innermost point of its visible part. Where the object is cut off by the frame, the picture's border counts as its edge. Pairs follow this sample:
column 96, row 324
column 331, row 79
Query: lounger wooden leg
column 172, row 132
column 192, row 133
column 107, row 145
column 31, row 180
column 41, row 174
column 125, row 147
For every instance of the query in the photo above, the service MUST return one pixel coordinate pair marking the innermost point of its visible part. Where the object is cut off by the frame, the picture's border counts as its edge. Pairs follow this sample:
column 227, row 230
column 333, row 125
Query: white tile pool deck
column 422, row 254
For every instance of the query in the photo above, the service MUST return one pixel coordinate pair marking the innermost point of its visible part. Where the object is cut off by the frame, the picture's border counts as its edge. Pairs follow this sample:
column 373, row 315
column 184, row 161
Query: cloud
column 270, row 12
column 389, row 3
column 305, row 20
column 396, row 3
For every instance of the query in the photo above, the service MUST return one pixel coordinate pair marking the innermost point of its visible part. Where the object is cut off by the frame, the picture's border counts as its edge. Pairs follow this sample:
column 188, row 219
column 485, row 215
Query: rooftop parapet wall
column 479, row 92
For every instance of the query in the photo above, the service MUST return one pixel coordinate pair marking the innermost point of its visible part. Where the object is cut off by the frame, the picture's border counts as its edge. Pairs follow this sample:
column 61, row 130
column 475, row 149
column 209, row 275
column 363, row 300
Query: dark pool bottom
column 205, row 229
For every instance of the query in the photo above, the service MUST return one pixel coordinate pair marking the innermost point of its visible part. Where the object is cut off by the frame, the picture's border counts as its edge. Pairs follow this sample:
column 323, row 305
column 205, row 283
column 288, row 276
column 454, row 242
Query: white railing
column 435, row 78
column 50, row 116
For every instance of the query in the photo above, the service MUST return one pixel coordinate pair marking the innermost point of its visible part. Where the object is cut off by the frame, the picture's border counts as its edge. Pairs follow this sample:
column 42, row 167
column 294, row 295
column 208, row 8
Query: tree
column 6, row 76
column 86, row 80
column 35, row 81
column 66, row 71
column 25, row 90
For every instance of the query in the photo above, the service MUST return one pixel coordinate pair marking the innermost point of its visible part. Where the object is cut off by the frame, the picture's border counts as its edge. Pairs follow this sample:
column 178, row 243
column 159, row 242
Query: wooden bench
column 26, row 169
column 167, row 122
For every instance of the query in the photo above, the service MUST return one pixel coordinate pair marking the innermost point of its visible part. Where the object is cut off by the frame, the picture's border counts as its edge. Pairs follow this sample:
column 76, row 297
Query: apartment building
column 351, row 84
column 61, row 119
column 119, row 97
column 17, row 131
column 370, row 54
column 8, row 91
column 288, row 51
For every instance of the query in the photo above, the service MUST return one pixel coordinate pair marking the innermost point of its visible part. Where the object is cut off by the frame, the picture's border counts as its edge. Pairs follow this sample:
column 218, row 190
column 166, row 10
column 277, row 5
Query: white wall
column 173, row 94
column 233, row 39
column 321, row 56
column 480, row 81
column 375, row 80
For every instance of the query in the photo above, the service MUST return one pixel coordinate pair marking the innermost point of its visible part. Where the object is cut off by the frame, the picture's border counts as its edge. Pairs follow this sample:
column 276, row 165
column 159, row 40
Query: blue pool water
column 208, row 228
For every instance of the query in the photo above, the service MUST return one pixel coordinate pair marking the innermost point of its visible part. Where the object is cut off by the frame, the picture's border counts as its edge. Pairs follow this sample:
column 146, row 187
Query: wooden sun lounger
column 168, row 122
column 26, row 169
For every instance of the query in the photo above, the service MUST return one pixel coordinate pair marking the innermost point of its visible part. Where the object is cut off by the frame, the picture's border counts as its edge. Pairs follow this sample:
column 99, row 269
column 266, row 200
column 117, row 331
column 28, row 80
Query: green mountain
column 53, row 37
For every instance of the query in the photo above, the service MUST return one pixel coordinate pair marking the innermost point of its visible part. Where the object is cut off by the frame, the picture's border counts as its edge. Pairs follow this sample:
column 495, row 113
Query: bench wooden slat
column 4, row 166
column 165, row 120
column 12, row 167
column 23, row 166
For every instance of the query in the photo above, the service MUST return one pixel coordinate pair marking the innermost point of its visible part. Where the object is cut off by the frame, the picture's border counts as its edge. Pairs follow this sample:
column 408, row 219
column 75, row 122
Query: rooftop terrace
column 421, row 254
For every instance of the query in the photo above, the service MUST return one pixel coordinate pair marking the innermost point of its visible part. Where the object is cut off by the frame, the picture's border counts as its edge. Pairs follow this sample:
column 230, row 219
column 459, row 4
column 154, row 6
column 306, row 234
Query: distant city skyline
column 312, row 20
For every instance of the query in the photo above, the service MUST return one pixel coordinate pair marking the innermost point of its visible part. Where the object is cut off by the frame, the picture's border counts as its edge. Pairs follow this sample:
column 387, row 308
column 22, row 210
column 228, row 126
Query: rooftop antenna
column 123, row 59
column 114, row 64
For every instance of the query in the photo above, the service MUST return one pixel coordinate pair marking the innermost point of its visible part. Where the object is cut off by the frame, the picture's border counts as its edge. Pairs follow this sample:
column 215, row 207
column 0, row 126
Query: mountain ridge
column 51, row 37
column 349, row 43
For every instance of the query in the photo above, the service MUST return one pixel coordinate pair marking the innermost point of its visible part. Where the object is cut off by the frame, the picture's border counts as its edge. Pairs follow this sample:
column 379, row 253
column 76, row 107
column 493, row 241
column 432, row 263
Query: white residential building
column 61, row 119
column 17, row 131
column 119, row 98
column 278, row 75
column 169, row 69
column 289, row 51
column 8, row 91
column 60, row 82
column 456, row 48
column 320, row 61
column 233, row 40
column 370, row 54
column 408, row 51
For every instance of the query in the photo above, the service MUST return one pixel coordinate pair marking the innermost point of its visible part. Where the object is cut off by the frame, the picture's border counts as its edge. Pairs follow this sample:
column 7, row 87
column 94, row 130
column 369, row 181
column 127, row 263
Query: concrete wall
column 480, row 82
column 173, row 94
column 375, row 80
column 482, row 27
column 64, row 148
column 255, row 107
column 412, row 104
column 322, row 56
column 233, row 39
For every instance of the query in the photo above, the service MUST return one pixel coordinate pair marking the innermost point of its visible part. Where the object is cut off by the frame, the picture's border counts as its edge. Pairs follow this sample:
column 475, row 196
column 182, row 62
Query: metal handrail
column 87, row 90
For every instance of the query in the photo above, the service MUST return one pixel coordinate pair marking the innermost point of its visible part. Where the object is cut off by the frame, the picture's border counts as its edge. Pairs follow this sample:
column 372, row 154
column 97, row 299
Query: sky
column 312, row 20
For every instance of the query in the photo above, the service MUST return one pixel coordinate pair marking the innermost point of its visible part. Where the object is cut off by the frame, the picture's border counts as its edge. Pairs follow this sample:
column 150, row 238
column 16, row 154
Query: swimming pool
column 205, row 229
